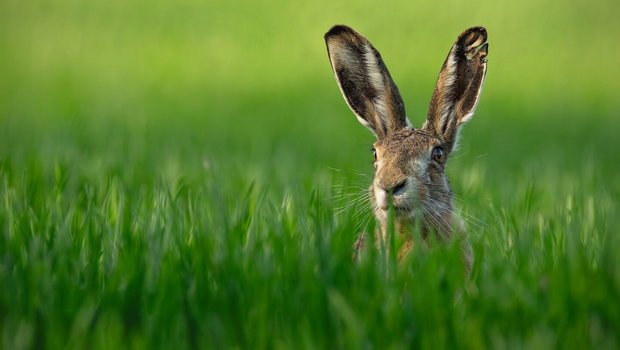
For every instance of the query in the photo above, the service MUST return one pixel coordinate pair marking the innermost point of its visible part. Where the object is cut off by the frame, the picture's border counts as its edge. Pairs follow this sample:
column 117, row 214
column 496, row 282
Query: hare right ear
column 458, row 87
column 365, row 82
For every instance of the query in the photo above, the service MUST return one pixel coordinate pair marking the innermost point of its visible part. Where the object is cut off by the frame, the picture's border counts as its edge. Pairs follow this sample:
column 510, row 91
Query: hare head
column 410, row 162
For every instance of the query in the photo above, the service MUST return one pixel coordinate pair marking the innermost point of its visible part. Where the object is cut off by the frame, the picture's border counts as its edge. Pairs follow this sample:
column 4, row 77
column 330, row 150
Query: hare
column 410, row 162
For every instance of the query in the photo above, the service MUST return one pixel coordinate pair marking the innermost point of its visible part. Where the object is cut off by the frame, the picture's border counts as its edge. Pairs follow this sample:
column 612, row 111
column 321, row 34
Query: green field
column 186, row 174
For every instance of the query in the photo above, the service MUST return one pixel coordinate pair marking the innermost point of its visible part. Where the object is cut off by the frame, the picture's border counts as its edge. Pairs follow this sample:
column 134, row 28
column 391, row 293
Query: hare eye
column 437, row 154
column 374, row 153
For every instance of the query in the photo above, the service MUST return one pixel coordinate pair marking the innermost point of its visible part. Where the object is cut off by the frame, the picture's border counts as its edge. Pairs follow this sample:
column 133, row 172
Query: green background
column 186, row 174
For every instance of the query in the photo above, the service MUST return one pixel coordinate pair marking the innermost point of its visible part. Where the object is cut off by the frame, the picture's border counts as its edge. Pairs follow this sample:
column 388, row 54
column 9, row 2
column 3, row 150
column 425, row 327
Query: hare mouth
column 399, row 210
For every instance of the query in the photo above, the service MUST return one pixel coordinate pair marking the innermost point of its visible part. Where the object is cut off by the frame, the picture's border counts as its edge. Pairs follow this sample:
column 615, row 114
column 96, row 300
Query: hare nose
column 396, row 188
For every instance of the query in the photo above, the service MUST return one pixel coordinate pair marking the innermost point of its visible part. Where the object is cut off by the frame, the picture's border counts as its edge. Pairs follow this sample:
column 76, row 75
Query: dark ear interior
column 365, row 81
column 459, row 85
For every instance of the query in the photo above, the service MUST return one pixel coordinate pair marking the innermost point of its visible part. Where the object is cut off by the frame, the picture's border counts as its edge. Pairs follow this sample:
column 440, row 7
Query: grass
column 187, row 175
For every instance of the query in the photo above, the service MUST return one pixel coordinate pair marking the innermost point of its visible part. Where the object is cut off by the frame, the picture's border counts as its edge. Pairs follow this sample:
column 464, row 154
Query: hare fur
column 410, row 162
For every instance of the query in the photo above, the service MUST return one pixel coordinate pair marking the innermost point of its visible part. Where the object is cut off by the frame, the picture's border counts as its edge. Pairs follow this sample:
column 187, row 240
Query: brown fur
column 406, row 172
column 374, row 98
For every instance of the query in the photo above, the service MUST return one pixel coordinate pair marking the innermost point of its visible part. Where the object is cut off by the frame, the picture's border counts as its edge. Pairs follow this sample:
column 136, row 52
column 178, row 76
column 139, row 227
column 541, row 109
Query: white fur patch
column 380, row 196
column 372, row 66
column 447, row 108
column 375, row 76
column 469, row 115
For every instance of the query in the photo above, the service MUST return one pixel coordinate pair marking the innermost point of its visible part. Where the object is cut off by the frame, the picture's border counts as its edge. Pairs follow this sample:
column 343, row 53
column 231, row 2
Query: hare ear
column 459, row 85
column 365, row 82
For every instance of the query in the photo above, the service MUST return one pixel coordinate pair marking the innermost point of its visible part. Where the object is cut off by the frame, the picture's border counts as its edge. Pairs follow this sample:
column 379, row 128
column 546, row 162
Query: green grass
column 183, row 175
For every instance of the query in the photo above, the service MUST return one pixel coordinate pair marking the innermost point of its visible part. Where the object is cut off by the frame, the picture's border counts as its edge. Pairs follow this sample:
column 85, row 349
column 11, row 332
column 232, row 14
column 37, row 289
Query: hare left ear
column 458, row 87
column 365, row 81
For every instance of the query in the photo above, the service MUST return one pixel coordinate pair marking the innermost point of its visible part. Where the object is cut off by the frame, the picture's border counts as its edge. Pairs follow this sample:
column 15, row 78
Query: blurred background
column 177, row 86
